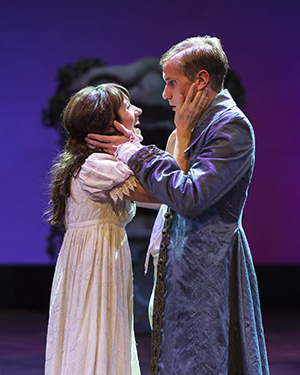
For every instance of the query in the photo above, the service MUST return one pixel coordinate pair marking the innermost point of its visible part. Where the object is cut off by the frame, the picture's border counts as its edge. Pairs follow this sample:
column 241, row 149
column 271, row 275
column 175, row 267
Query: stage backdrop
column 261, row 39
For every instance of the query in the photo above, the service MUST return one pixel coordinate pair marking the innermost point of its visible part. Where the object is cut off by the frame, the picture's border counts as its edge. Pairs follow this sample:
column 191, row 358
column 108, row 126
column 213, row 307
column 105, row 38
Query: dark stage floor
column 22, row 342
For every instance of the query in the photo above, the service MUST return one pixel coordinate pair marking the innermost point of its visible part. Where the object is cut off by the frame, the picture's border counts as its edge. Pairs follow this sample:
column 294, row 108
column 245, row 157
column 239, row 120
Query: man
column 207, row 317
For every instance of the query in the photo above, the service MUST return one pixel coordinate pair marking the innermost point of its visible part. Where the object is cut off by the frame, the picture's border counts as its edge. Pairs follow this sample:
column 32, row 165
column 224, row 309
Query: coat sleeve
column 221, row 156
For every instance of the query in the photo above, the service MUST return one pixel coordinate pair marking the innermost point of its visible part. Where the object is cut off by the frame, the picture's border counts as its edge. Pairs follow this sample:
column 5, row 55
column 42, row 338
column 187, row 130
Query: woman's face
column 129, row 115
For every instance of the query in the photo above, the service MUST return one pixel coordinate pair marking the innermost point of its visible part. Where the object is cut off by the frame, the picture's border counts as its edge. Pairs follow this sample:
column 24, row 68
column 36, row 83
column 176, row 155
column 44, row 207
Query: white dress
column 90, row 329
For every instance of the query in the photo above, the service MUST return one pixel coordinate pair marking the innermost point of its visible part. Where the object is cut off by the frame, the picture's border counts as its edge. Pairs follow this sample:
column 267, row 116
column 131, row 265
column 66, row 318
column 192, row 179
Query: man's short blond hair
column 199, row 53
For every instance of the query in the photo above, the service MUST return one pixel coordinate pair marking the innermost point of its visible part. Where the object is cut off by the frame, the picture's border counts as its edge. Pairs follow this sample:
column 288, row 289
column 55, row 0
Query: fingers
column 201, row 100
column 121, row 128
column 90, row 143
column 108, row 143
column 195, row 98
column 180, row 101
column 96, row 139
column 189, row 112
column 201, row 96
column 191, row 93
column 95, row 143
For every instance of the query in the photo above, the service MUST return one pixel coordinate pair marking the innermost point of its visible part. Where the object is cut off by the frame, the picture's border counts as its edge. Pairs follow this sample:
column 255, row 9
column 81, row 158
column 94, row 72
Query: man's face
column 176, row 84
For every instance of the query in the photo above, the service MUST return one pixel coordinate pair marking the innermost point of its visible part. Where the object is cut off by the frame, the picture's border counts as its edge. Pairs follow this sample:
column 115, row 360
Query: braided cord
column 159, row 301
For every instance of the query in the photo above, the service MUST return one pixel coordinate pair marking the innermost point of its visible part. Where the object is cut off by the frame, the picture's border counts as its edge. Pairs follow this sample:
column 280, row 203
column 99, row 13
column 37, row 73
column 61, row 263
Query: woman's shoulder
column 101, row 173
column 104, row 165
column 99, row 157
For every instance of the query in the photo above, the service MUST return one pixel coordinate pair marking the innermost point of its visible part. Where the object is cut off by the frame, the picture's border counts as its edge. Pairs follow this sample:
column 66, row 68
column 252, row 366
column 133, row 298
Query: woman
column 90, row 327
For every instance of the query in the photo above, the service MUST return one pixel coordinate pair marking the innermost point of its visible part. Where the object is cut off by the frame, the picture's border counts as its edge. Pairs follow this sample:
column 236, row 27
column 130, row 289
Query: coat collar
column 221, row 103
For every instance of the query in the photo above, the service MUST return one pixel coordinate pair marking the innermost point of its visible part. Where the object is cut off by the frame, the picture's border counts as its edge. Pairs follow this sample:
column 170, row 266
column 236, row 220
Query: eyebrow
column 166, row 79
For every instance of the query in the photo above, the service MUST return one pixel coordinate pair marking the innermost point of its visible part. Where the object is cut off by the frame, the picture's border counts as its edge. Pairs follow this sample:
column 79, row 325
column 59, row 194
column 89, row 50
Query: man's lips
column 173, row 106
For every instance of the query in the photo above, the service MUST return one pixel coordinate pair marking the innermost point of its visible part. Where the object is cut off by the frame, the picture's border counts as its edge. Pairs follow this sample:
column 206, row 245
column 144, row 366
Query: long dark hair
column 91, row 110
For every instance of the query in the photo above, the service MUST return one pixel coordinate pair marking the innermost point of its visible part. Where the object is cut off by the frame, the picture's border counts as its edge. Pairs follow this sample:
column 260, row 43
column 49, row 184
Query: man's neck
column 211, row 94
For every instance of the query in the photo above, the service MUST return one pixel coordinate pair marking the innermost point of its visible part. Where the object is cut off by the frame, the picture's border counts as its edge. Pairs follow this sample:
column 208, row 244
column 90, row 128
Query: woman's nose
column 138, row 111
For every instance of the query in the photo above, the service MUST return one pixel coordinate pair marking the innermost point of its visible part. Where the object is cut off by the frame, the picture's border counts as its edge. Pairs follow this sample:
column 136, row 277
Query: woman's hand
column 191, row 109
column 109, row 143
column 187, row 114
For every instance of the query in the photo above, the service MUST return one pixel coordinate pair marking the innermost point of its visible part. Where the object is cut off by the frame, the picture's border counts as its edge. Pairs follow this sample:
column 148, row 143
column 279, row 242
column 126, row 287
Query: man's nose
column 165, row 93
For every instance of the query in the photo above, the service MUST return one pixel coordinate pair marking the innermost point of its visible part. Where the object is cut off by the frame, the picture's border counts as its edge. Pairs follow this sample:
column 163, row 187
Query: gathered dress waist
column 91, row 223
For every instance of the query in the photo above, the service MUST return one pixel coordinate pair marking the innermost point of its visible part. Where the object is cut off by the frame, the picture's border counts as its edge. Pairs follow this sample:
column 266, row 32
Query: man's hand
column 109, row 143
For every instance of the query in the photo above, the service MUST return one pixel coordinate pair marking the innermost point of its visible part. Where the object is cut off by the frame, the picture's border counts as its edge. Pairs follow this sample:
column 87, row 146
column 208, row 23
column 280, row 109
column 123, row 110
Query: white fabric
column 153, row 249
column 90, row 328
column 156, row 235
column 126, row 150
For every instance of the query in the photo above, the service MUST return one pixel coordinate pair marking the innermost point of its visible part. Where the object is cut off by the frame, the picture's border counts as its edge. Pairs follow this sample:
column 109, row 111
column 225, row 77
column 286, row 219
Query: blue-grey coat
column 211, row 319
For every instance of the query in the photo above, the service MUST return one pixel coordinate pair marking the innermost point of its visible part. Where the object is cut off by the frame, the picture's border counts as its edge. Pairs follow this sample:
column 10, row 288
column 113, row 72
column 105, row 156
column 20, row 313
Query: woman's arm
column 179, row 140
column 171, row 142
column 187, row 114
column 140, row 194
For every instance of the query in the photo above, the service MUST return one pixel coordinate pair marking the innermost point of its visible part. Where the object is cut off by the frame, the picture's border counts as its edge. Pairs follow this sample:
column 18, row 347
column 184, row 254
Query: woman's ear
column 203, row 79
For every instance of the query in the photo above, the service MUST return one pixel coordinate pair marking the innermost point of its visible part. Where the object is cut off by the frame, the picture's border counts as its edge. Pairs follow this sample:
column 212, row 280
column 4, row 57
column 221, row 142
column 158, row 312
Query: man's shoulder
column 224, row 109
column 222, row 116
column 221, row 111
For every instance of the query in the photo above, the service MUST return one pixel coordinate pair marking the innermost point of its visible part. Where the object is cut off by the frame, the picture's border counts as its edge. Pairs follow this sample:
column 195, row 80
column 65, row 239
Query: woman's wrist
column 126, row 150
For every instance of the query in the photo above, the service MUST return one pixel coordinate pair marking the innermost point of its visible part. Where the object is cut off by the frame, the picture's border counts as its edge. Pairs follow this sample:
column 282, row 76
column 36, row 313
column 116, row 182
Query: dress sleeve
column 103, row 177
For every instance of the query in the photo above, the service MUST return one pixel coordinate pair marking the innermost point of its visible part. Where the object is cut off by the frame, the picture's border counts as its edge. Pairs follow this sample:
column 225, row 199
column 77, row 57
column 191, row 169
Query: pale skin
column 188, row 98
column 129, row 115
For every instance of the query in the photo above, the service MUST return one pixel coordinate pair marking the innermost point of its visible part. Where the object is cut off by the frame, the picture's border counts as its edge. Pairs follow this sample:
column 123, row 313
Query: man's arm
column 225, row 155
column 187, row 115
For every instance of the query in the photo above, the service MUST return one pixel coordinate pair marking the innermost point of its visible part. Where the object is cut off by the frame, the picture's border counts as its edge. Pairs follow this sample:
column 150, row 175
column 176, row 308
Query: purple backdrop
column 261, row 39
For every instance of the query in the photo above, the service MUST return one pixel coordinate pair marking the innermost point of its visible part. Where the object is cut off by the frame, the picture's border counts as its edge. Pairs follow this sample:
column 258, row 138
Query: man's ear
column 203, row 79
